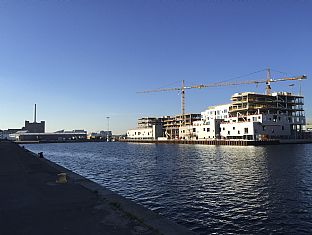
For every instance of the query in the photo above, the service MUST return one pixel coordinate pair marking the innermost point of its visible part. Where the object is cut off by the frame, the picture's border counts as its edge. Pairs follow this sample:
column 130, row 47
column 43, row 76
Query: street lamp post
column 108, row 128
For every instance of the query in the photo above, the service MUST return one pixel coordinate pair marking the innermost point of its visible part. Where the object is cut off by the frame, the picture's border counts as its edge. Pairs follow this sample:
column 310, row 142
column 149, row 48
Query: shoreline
column 200, row 142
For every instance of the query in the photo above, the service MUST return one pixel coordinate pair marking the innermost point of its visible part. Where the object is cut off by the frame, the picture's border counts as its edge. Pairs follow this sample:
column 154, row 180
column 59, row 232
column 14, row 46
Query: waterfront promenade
column 32, row 202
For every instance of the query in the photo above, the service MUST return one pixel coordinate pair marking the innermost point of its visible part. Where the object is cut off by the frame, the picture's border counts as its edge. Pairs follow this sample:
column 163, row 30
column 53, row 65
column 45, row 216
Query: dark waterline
column 209, row 189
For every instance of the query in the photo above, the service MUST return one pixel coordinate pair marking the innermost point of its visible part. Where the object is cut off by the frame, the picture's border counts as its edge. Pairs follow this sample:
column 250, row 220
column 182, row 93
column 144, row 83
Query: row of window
column 238, row 132
column 139, row 133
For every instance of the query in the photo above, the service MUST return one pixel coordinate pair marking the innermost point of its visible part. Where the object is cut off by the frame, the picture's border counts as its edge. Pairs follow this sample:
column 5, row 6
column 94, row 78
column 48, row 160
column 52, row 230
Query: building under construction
column 172, row 124
column 249, row 116
column 278, row 109
column 166, row 126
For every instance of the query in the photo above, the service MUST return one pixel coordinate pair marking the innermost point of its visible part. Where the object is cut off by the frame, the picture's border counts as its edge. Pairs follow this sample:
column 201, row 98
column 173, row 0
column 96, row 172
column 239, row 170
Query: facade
column 147, row 128
column 253, row 116
column 166, row 127
column 219, row 112
column 34, row 127
column 147, row 122
column 63, row 136
column 173, row 124
column 207, row 130
column 9, row 134
column 102, row 135
column 145, row 133
column 209, row 125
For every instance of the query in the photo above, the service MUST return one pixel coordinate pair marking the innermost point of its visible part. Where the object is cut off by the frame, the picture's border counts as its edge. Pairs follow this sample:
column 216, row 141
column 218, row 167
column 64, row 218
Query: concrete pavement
column 31, row 202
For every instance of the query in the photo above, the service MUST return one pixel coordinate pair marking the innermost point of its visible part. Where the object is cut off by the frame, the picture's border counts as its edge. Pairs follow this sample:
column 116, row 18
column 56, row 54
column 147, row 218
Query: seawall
column 223, row 142
column 33, row 202
column 206, row 142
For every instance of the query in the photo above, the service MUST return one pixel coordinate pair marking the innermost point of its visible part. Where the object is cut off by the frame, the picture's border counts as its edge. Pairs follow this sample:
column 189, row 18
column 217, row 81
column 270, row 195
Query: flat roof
column 52, row 133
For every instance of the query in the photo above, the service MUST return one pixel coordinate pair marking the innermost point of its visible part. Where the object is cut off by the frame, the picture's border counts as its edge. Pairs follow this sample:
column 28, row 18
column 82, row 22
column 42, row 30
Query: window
column 246, row 130
column 208, row 129
column 229, row 132
column 204, row 129
column 223, row 128
column 238, row 132
column 254, row 119
column 283, row 128
column 194, row 129
column 233, row 127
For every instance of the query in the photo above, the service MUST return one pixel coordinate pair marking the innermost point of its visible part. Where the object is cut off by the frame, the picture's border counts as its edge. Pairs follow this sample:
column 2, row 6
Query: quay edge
column 222, row 142
column 69, row 208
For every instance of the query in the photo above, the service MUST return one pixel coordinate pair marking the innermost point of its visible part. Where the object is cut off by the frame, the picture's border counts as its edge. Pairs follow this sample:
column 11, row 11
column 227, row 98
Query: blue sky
column 82, row 61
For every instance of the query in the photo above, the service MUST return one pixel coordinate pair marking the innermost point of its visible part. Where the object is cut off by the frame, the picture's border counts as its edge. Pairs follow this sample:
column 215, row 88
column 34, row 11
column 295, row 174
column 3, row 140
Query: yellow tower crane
column 267, row 81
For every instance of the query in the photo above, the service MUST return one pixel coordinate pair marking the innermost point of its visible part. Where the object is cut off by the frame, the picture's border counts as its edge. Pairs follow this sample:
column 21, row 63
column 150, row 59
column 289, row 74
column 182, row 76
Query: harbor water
column 208, row 189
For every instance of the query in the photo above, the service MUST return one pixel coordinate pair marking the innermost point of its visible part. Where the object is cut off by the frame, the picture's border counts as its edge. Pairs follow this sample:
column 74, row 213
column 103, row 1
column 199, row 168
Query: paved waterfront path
column 31, row 202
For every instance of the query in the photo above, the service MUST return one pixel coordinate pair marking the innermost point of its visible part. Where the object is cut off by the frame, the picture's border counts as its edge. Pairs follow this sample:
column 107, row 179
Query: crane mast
column 183, row 102
column 268, row 82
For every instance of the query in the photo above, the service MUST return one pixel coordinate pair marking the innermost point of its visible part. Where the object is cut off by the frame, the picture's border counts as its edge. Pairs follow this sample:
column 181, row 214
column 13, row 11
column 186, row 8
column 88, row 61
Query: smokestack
column 35, row 114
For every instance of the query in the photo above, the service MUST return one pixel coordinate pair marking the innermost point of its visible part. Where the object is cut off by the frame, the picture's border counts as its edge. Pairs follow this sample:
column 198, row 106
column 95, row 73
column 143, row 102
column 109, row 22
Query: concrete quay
column 32, row 202
column 223, row 142
column 206, row 142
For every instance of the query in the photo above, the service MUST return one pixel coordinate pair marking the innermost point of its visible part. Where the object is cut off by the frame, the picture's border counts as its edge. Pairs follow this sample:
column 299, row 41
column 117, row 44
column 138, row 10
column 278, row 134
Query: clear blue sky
column 82, row 61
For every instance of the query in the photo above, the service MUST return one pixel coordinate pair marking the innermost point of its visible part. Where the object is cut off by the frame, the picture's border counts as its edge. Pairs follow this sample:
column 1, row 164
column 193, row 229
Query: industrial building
column 35, row 131
column 52, row 137
column 102, row 135
column 34, row 127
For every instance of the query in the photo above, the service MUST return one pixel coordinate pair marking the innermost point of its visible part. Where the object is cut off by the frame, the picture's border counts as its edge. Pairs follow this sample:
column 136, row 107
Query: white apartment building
column 148, row 128
column 251, row 116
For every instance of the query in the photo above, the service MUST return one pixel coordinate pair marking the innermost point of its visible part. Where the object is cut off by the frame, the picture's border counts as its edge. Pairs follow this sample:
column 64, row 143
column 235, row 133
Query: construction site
column 272, row 117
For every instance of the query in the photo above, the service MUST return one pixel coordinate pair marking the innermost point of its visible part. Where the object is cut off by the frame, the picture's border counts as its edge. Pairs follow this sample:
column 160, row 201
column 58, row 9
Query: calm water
column 209, row 189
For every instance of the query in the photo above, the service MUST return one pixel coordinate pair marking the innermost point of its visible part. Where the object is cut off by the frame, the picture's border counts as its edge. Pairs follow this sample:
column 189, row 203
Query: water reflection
column 210, row 189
